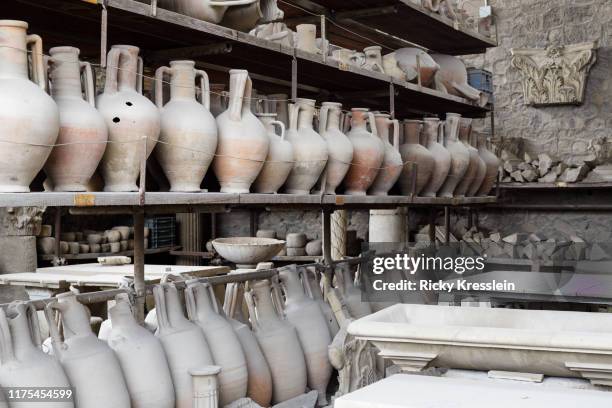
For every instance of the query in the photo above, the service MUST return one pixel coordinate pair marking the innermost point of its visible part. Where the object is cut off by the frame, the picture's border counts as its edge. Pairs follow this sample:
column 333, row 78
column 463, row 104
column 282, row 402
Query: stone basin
column 554, row 343
column 247, row 251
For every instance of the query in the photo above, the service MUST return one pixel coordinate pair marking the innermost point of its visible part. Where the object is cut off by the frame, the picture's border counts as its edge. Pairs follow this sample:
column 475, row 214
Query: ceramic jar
column 29, row 119
column 481, row 173
column 279, row 342
column 452, row 78
column 416, row 157
column 465, row 128
column 392, row 164
column 207, row 10
column 310, row 323
column 245, row 16
column 225, row 347
column 460, row 156
column 188, row 137
column 339, row 146
column 307, row 38
column 309, row 148
column 368, row 152
column 183, row 342
column 442, row 159
column 373, row 58
column 351, row 293
column 492, row 162
column 91, row 366
column 83, row 134
column 279, row 161
column 243, row 139
column 23, row 363
column 313, row 290
column 402, row 65
column 129, row 117
column 218, row 100
column 142, row 359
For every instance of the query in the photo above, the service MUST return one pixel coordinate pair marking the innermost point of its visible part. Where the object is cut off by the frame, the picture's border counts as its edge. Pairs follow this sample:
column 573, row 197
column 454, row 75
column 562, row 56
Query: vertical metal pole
column 294, row 69
column 323, row 38
column 446, row 224
column 392, row 99
column 103, row 34
column 327, row 252
column 58, row 231
column 139, row 262
column 153, row 8
column 418, row 64
column 143, row 172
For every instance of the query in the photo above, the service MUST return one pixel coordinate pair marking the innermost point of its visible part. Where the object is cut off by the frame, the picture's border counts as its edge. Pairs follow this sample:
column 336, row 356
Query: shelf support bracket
column 103, row 33
column 392, row 99
column 139, row 263
column 294, row 72
column 323, row 38
column 153, row 8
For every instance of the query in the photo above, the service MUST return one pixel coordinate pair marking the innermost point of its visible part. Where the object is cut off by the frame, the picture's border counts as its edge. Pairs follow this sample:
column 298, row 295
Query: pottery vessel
column 29, row 119
column 279, row 342
column 46, row 245
column 279, row 161
column 83, row 134
column 492, row 162
column 416, row 157
column 368, row 152
column 339, row 146
column 313, row 290
column 207, row 10
column 402, row 65
column 183, row 342
column 482, row 169
column 460, row 156
column 142, row 359
column 452, row 78
column 351, row 293
column 124, row 231
column 276, row 32
column 247, row 251
column 243, row 139
column 91, row 366
column 132, row 119
column 314, row 248
column 310, row 152
column 465, row 130
column 373, row 59
column 23, row 363
column 188, row 137
column 392, row 164
column 307, row 38
column 244, row 17
column 442, row 158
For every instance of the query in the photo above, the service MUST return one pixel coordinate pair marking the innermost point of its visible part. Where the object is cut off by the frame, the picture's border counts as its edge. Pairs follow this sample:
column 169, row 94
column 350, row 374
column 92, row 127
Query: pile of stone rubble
column 542, row 169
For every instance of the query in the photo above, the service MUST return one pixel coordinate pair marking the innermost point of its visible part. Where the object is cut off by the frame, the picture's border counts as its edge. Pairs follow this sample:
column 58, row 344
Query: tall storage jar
column 391, row 167
column 465, row 129
column 460, row 156
column 279, row 161
column 492, row 162
column 339, row 146
column 441, row 157
column 416, row 157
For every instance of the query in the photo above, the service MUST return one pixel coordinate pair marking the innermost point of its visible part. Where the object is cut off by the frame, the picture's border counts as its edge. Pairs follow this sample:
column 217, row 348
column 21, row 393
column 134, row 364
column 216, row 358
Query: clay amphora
column 29, row 119
column 351, row 293
column 188, row 138
column 183, row 341
column 309, row 148
column 91, row 366
column 392, row 164
column 207, row 10
column 225, row 347
column 460, row 156
column 492, row 162
column 22, row 361
column 129, row 116
column 279, row 342
column 243, row 17
column 373, row 58
column 83, row 134
column 218, row 100
column 278, row 103
column 414, row 153
column 441, row 156
column 279, row 161
column 243, row 139
column 465, row 128
column 142, row 359
column 339, row 146
column 313, row 290
column 306, row 316
column 368, row 153
column 482, row 168
column 452, row 78
column 402, row 65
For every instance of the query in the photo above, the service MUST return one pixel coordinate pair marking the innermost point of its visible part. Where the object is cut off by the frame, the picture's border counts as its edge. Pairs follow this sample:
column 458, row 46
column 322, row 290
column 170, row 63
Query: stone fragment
column 495, row 237
column 548, row 178
column 535, row 237
column 495, row 251
column 517, row 176
column 545, row 163
column 575, row 174
column 529, row 174
column 560, row 168
column 510, row 250
column 535, row 163
column 506, row 180
column 515, row 238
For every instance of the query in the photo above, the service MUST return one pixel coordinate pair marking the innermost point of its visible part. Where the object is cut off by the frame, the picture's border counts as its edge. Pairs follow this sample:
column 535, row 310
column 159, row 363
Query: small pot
column 73, row 248
column 123, row 245
column 46, row 245
column 95, row 248
column 115, row 247
column 106, row 248
column 124, row 231
column 112, row 236
column 45, row 231
column 83, row 248
column 94, row 239
column 64, row 247
column 296, row 240
column 296, row 251
column 314, row 248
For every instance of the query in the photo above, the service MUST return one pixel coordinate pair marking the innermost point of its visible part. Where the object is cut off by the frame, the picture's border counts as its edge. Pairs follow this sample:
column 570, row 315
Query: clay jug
column 188, row 137
column 339, row 146
column 29, row 119
column 465, row 128
column 442, row 159
column 183, row 342
column 130, row 117
column 279, row 342
column 243, row 139
column 91, row 366
column 392, row 164
column 218, row 99
column 279, row 104
column 373, row 59
column 313, row 290
column 368, row 152
column 207, row 10
column 452, row 78
column 279, row 161
column 22, row 361
column 482, row 168
column 83, row 134
column 225, row 347
column 142, row 359
column 402, row 65
column 492, row 162
column 309, row 148
column 414, row 153
column 351, row 293
column 460, row 156
column 310, row 323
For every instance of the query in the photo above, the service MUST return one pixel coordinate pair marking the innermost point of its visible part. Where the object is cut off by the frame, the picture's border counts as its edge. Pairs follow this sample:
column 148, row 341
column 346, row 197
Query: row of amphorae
column 72, row 133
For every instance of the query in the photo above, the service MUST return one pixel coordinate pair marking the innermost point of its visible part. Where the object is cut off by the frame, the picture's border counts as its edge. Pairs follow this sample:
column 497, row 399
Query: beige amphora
column 492, row 162
column 460, row 156
column 416, row 157
column 339, row 146
column 279, row 161
column 392, row 164
column 432, row 132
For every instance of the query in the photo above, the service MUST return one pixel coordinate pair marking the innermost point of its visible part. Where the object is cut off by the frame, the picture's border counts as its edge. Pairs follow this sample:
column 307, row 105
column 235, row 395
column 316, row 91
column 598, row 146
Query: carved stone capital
column 20, row 221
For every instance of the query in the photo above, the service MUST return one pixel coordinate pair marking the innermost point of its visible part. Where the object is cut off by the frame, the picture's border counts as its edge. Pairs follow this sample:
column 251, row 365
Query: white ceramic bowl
column 247, row 250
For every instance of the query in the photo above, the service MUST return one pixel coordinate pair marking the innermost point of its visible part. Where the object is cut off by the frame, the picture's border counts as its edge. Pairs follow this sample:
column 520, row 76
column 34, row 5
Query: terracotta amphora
column 442, row 158
column 225, row 347
column 392, row 164
column 29, row 119
column 279, row 342
column 460, row 156
column 416, row 157
column 481, row 172
column 207, row 10
column 243, row 17
column 339, row 146
column 351, row 293
column 188, row 138
column 465, row 128
column 83, row 134
column 309, row 148
column 243, row 139
column 90, row 364
column 452, row 78
column 131, row 118
column 492, row 162
column 279, row 161
column 313, row 290
column 368, row 152
column 402, row 65
column 183, row 342
column 22, row 362
column 142, row 359
column 306, row 316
